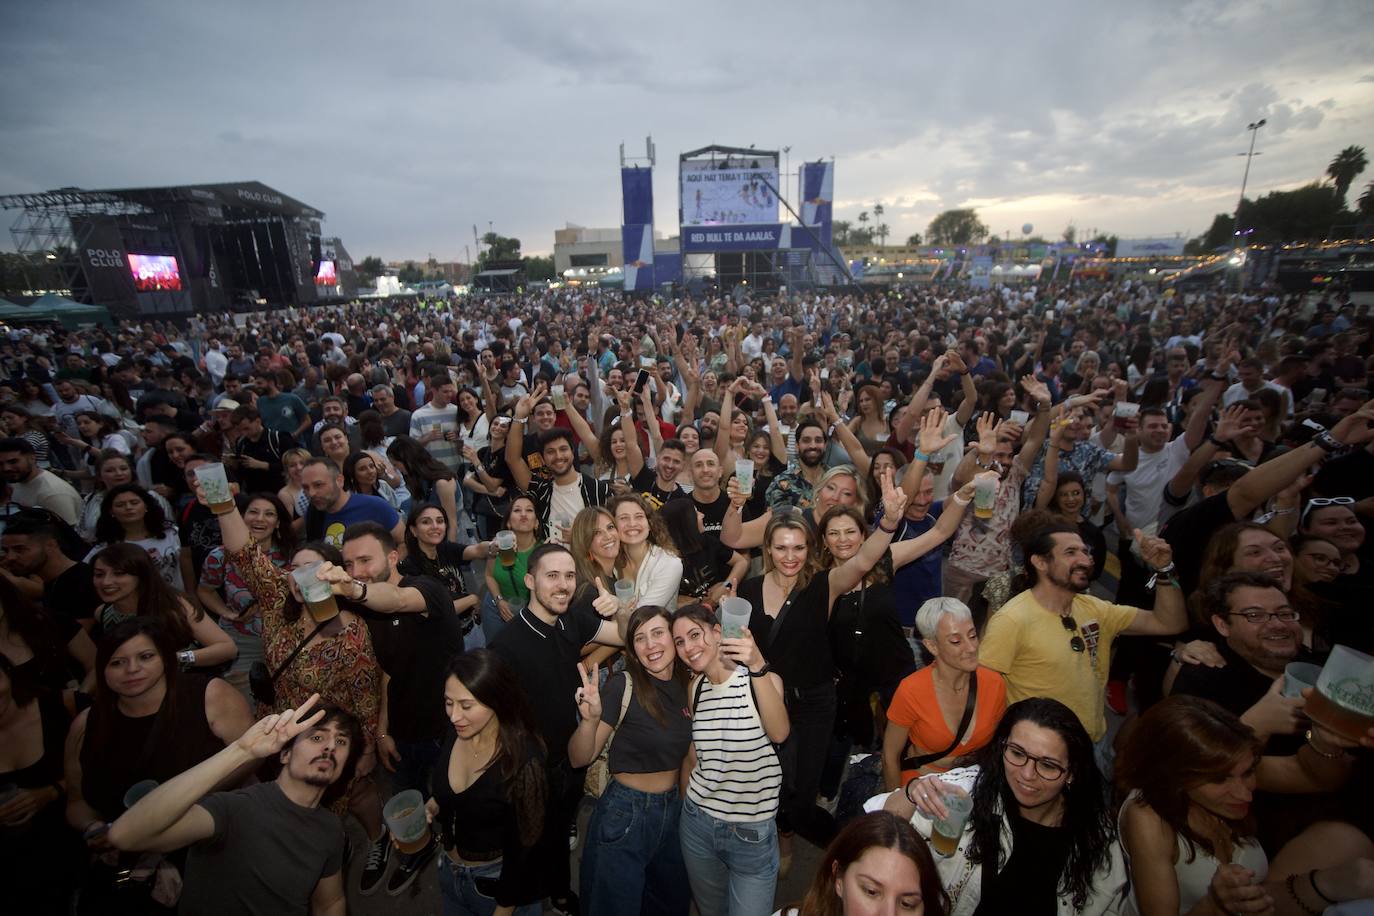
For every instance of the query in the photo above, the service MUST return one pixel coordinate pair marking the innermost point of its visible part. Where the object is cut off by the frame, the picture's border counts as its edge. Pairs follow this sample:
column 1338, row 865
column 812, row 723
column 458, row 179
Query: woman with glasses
column 1334, row 518
column 1039, row 821
column 1188, row 830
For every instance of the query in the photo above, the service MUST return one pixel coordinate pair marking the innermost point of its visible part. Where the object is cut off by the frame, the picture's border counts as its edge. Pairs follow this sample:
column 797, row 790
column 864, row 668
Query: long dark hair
column 1087, row 818
column 1179, row 744
column 109, row 530
column 105, row 699
column 645, row 689
column 493, row 683
column 156, row 599
column 412, row 542
column 680, row 518
column 876, row 830
column 420, row 465
column 284, row 536
column 349, row 467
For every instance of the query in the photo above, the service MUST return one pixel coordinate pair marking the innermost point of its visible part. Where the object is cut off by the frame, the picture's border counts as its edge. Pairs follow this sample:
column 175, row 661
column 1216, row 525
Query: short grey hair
column 380, row 389
column 929, row 616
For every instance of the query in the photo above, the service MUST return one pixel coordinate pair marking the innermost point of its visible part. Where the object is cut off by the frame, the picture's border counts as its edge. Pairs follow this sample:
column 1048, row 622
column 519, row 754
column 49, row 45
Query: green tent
column 72, row 314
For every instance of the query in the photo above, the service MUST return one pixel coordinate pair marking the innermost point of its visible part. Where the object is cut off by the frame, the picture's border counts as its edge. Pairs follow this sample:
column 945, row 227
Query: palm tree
column 1367, row 200
column 1345, row 168
column 863, row 227
column 878, row 218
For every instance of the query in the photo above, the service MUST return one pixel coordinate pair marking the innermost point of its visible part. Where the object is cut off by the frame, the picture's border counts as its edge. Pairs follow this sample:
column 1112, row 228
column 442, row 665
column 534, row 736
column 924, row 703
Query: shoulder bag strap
column 782, row 615
column 297, row 651
column 970, row 704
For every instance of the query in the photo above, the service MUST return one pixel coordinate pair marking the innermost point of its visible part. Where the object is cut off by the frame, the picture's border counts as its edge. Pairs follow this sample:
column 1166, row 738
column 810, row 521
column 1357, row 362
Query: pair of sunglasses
column 1076, row 643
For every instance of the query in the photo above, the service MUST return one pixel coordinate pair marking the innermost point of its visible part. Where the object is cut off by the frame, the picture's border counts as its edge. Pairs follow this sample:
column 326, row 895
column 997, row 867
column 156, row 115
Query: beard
column 1070, row 582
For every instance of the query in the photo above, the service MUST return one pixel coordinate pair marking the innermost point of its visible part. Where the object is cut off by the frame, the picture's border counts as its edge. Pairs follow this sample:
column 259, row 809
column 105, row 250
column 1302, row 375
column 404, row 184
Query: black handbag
column 263, row 683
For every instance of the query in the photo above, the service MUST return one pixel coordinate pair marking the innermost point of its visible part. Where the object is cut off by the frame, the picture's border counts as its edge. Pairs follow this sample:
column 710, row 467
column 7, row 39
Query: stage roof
column 239, row 195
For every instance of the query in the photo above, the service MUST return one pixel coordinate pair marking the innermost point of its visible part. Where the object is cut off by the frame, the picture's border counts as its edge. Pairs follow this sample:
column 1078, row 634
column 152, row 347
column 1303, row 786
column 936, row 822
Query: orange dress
column 915, row 708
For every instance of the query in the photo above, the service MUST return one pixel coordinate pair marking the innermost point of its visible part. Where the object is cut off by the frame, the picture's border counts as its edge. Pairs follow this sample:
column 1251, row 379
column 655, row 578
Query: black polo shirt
column 545, row 660
column 414, row 649
column 645, row 484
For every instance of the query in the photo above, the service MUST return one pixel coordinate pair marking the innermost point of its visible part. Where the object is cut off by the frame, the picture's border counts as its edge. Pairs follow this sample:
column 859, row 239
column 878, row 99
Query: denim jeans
column 417, row 761
column 632, row 862
column 461, row 887
column 490, row 619
column 732, row 868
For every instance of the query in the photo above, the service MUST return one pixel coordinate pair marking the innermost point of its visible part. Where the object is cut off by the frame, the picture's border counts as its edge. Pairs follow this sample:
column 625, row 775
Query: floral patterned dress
column 342, row 668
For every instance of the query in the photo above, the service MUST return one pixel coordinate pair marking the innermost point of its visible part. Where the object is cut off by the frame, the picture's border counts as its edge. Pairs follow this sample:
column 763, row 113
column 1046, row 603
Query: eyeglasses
column 1047, row 769
column 1076, row 643
column 1318, row 502
column 1287, row 615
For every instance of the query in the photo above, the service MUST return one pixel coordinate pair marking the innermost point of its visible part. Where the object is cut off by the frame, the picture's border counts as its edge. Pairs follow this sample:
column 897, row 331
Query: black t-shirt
column 447, row 566
column 1236, row 687
column 712, row 513
column 269, row 448
column 1028, row 884
column 800, row 650
column 1188, row 533
column 414, row 649
column 645, row 483
column 702, row 569
column 866, row 638
column 545, row 660
column 266, row 855
column 642, row 744
column 199, row 530
column 71, row 595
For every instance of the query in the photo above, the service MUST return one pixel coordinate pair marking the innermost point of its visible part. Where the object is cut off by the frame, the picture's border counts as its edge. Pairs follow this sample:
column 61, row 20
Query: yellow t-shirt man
column 1031, row 647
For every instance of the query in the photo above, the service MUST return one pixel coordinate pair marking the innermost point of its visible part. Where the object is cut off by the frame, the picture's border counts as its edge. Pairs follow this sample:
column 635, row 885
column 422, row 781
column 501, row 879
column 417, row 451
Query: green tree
column 881, row 230
column 1070, row 233
column 1109, row 241
column 1345, row 168
column 410, row 273
column 913, row 240
column 499, row 248
column 839, row 231
column 369, row 268
column 860, row 238
column 539, row 268
column 956, row 227
column 1367, row 200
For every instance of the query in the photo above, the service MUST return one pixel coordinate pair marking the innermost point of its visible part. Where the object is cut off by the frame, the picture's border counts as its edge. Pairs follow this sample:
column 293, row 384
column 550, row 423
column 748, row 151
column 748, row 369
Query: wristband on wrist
column 362, row 597
column 960, row 502
column 187, row 657
column 762, row 671
column 918, row 455
column 887, row 530
column 1312, row 880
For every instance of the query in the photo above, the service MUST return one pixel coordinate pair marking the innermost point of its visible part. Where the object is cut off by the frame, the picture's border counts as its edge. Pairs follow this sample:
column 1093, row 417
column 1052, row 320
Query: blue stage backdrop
column 637, row 227
column 818, row 194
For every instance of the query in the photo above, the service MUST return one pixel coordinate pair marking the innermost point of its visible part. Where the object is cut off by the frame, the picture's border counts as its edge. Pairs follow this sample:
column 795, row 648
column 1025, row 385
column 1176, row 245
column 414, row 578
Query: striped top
column 737, row 777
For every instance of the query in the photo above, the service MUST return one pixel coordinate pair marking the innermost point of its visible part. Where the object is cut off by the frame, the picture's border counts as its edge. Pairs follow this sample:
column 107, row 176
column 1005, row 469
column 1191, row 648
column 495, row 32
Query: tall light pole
column 1253, row 127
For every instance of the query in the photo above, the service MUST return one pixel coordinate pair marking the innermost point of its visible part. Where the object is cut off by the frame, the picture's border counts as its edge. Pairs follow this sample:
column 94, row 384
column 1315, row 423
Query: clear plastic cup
column 734, row 617
column 559, row 396
column 1124, row 410
column 1344, row 698
column 214, row 483
column 405, row 818
column 744, row 473
column 318, row 596
column 984, row 494
column 1019, row 417
column 625, row 593
column 505, row 544
column 1299, row 675
column 944, row 838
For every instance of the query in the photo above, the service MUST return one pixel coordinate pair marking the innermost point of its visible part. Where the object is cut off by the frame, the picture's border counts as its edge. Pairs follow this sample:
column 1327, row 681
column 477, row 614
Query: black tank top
column 149, row 747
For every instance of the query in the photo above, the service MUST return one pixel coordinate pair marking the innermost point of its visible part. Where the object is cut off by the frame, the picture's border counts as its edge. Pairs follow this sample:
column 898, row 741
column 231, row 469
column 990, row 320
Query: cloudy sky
column 407, row 123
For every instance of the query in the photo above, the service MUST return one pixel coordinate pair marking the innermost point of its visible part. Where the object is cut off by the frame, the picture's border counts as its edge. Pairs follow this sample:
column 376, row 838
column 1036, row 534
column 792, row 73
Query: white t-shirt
column 565, row 502
column 1145, row 485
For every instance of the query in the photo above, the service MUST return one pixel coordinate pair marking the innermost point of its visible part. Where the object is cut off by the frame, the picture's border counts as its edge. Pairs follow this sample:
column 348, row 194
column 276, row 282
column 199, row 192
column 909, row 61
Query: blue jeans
column 461, row 889
column 732, row 868
column 417, row 761
column 632, row 862
column 491, row 621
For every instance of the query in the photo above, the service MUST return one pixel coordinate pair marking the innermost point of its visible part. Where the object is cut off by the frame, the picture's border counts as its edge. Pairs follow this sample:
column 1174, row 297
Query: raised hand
column 588, row 696
column 742, row 650
column 1037, row 389
column 271, row 733
column 932, row 439
column 605, row 603
column 1230, row 424
column 737, row 499
column 894, row 498
column 988, row 427
column 1155, row 551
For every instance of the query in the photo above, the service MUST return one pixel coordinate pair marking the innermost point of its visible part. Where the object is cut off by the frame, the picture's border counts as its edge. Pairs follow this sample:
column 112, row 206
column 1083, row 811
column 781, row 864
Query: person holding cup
column 648, row 556
column 1038, row 811
column 302, row 657
column 506, row 592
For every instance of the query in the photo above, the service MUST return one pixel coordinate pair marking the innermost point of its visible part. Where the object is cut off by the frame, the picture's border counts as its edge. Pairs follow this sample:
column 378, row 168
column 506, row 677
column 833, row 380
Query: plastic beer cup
column 984, row 494
column 944, row 838
column 214, row 483
column 1344, row 698
column 1124, row 410
column 505, row 543
column 744, row 473
column 559, row 396
column 406, row 819
column 1298, row 675
column 137, row 791
column 319, row 597
column 734, row 617
column 625, row 593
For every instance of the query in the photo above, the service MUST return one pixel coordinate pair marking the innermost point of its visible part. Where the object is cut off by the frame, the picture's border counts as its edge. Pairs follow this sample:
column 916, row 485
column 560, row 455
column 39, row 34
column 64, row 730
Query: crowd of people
column 738, row 573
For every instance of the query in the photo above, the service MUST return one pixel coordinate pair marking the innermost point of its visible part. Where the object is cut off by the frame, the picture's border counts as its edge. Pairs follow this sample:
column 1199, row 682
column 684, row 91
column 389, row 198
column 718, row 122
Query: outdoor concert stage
column 183, row 250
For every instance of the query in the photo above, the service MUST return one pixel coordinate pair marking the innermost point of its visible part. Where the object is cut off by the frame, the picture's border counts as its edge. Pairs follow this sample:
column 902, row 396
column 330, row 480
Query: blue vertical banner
column 637, row 227
column 818, row 195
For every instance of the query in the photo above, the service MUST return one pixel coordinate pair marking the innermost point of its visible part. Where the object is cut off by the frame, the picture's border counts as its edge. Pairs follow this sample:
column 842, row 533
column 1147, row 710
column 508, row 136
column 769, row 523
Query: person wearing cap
column 217, row 434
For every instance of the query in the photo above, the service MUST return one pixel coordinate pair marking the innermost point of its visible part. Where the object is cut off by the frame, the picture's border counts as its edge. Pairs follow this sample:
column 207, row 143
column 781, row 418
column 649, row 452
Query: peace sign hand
column 589, row 694
column 894, row 499
column 271, row 733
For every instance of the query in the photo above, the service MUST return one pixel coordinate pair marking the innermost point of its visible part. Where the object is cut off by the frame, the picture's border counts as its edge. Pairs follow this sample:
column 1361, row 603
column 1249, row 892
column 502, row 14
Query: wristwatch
column 762, row 671
column 362, row 596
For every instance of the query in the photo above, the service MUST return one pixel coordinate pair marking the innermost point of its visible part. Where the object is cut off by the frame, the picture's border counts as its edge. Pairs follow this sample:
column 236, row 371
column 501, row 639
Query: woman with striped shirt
column 729, row 836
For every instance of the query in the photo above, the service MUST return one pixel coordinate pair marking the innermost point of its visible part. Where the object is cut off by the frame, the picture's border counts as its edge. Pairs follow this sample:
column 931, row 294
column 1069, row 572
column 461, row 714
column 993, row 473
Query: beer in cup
column 984, row 494
column 319, row 597
column 214, row 483
column 944, row 838
column 505, row 545
column 1124, row 410
column 1344, row 698
column 405, row 817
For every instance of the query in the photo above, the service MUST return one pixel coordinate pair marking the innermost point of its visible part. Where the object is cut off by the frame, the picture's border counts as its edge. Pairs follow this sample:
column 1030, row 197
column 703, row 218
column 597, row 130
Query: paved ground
column 422, row 899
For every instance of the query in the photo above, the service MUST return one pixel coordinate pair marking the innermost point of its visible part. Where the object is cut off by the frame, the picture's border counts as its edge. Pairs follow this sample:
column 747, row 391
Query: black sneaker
column 378, row 857
column 408, row 865
column 566, row 906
